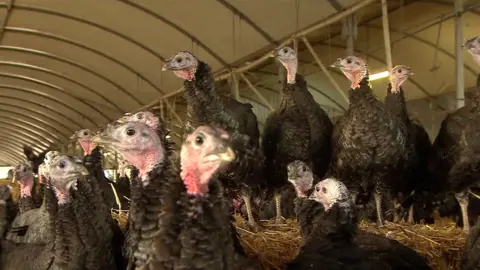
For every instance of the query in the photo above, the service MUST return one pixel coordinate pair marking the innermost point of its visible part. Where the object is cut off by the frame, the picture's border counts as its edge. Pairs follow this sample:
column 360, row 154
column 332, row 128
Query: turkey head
column 23, row 174
column 5, row 195
column 398, row 75
column 203, row 153
column 301, row 177
column 183, row 64
column 473, row 47
column 333, row 194
column 146, row 117
column 43, row 168
column 354, row 68
column 85, row 139
column 137, row 143
column 64, row 172
column 288, row 57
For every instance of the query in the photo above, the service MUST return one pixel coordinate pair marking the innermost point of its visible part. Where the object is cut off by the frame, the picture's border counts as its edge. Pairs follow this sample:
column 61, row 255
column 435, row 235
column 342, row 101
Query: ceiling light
column 379, row 75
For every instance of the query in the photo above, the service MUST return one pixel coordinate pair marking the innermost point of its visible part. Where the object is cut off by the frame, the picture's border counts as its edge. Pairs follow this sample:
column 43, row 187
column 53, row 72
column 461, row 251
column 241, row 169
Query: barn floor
column 442, row 243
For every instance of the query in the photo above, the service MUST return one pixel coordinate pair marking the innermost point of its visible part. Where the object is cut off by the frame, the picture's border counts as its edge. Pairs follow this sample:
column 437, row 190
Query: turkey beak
column 167, row 66
column 221, row 152
column 338, row 63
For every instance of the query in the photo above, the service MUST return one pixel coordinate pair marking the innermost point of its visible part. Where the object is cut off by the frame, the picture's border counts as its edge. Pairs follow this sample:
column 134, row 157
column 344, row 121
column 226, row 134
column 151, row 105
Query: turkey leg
column 462, row 198
column 278, row 207
column 410, row 215
column 378, row 203
column 252, row 223
column 396, row 207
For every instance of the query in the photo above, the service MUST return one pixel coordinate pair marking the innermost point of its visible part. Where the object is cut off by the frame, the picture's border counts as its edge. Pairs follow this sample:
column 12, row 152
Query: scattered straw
column 273, row 246
column 121, row 216
column 441, row 243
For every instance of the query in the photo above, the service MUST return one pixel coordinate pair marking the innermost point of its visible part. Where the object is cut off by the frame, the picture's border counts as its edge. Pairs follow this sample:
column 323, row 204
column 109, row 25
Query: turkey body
column 154, row 223
column 455, row 161
column 208, row 238
column 349, row 245
column 206, row 107
column 369, row 147
column 77, row 239
column 298, row 130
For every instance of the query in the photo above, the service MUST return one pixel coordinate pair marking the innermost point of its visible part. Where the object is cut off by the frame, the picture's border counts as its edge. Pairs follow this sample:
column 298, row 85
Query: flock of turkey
column 374, row 160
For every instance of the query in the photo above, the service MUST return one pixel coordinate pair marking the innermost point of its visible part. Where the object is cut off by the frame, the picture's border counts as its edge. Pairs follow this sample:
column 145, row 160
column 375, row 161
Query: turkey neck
column 362, row 92
column 395, row 103
column 149, row 202
column 294, row 93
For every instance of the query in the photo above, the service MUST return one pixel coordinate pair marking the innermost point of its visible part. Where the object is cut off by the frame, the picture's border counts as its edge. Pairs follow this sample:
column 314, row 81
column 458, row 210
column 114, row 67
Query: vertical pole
column 236, row 90
column 386, row 35
column 349, row 24
column 160, row 101
column 459, row 54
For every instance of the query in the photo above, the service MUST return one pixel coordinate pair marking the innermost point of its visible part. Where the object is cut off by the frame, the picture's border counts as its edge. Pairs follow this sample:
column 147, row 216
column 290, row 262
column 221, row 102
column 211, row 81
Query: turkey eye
column 199, row 140
column 140, row 116
column 130, row 132
column 61, row 165
column 399, row 71
column 24, row 169
column 304, row 168
column 285, row 50
column 85, row 133
column 179, row 60
column 349, row 61
column 317, row 188
column 324, row 189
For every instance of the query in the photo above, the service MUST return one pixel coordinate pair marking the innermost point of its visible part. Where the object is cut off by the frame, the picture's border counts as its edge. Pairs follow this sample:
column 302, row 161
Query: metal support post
column 324, row 69
column 459, row 68
column 236, row 89
column 386, row 35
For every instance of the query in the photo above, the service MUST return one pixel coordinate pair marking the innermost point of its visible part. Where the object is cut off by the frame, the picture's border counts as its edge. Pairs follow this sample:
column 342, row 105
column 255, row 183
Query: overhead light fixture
column 379, row 75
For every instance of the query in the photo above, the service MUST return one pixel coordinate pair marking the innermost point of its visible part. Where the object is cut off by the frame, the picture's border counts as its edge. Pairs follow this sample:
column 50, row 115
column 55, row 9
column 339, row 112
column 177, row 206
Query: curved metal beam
column 13, row 142
column 447, row 4
column 25, row 132
column 249, row 21
column 59, row 38
column 22, row 139
column 84, row 21
column 12, row 153
column 178, row 28
column 426, row 42
column 44, row 107
column 5, row 106
column 4, row 161
column 42, row 94
column 20, row 142
column 70, row 62
column 56, row 74
column 35, row 120
column 56, row 88
column 31, row 128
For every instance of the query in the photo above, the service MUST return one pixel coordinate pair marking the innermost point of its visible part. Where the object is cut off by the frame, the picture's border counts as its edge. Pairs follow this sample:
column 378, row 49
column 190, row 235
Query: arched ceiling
column 67, row 65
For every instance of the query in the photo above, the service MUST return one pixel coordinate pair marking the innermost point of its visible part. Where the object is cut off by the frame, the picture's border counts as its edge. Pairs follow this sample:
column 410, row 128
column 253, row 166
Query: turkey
column 471, row 260
column 206, row 107
column 298, row 130
column 92, row 160
column 35, row 160
column 455, row 159
column 416, row 177
column 208, row 239
column 7, row 209
column 23, row 174
column 33, row 226
column 369, row 143
column 67, row 211
column 333, row 232
column 154, row 223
